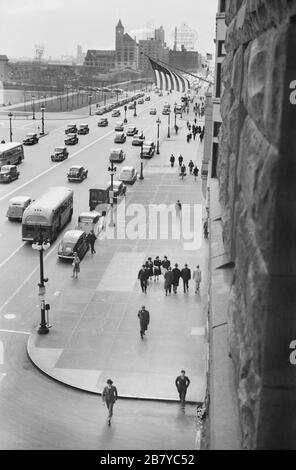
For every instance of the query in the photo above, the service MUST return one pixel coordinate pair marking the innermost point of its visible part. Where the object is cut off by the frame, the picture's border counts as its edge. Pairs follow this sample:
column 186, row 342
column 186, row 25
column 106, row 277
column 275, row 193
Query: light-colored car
column 92, row 220
column 117, row 156
column 119, row 127
column 119, row 138
column 152, row 111
column 128, row 175
column 17, row 206
column 8, row 173
column 115, row 113
column 73, row 241
column 138, row 139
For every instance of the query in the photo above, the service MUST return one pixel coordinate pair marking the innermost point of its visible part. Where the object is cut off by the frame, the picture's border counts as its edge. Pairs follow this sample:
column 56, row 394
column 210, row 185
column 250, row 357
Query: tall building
column 154, row 48
column 188, row 61
column 125, row 48
column 159, row 34
column 3, row 67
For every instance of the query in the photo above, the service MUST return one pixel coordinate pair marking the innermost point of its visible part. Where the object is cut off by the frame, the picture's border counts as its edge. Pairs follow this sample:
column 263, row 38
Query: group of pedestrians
column 193, row 169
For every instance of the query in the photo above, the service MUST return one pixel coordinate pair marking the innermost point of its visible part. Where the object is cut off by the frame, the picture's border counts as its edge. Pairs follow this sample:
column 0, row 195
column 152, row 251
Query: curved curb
column 34, row 357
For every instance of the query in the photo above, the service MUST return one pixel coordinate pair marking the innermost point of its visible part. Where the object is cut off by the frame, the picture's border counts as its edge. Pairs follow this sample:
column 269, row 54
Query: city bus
column 11, row 153
column 48, row 214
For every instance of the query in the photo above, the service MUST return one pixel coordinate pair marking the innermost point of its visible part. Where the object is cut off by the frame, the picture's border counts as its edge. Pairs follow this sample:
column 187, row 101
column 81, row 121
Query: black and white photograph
column 147, row 228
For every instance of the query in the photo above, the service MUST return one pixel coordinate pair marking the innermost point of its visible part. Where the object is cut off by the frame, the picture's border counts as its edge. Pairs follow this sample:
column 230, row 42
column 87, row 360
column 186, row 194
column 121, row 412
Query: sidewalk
column 95, row 333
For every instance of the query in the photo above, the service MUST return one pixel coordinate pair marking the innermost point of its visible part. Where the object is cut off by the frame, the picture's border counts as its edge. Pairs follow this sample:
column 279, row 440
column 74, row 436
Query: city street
column 44, row 413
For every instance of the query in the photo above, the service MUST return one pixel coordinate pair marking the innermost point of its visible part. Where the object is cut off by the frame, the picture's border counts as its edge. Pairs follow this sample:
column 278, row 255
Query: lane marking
column 11, row 255
column 15, row 331
column 10, row 316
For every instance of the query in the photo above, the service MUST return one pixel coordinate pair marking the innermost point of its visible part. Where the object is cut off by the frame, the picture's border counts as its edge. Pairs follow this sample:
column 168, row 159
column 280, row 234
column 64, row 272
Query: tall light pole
column 169, row 122
column 125, row 109
column 112, row 171
column 42, row 244
column 33, row 106
column 42, row 109
column 67, row 91
column 135, row 109
column 10, row 125
column 175, row 109
column 89, row 102
column 158, row 122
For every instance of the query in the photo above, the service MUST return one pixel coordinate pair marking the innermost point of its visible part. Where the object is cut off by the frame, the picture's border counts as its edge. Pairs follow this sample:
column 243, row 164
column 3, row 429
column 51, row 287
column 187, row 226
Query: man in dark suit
column 143, row 277
column 144, row 319
column 182, row 383
column 186, row 276
column 109, row 396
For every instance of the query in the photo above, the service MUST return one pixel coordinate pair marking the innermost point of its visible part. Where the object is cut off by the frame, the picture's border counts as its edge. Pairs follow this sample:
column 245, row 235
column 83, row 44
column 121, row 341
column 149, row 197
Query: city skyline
column 81, row 26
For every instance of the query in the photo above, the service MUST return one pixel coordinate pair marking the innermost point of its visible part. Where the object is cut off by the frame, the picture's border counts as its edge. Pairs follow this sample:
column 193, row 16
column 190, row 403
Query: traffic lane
column 39, row 413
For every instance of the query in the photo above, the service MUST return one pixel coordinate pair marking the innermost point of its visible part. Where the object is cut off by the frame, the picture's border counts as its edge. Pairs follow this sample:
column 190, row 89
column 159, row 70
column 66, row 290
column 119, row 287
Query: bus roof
column 9, row 145
column 49, row 201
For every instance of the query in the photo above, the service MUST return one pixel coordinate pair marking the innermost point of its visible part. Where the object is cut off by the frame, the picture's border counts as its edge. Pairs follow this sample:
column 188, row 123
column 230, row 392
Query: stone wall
column 257, row 178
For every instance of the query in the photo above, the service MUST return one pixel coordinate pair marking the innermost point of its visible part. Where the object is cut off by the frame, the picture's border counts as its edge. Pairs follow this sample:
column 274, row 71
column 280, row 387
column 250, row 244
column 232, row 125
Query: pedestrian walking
column 168, row 280
column 149, row 266
column 76, row 265
column 91, row 238
column 195, row 172
column 144, row 318
column 109, row 397
column 182, row 383
column 206, row 229
column 157, row 268
column 178, row 207
column 186, row 276
column 180, row 159
column 188, row 138
column 201, row 136
column 172, row 160
column 183, row 171
column 190, row 166
column 165, row 264
column 2, row 141
column 143, row 276
column 176, row 129
column 176, row 277
column 197, row 278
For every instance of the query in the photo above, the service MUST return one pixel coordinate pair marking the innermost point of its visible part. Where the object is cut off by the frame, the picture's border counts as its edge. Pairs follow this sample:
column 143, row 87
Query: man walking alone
column 144, row 318
column 186, row 276
column 143, row 277
column 197, row 278
column 109, row 396
column 182, row 383
column 91, row 240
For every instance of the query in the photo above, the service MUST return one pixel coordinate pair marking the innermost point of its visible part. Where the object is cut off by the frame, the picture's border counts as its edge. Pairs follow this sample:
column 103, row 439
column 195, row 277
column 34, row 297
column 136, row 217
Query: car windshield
column 59, row 149
column 5, row 169
column 115, row 152
column 74, row 171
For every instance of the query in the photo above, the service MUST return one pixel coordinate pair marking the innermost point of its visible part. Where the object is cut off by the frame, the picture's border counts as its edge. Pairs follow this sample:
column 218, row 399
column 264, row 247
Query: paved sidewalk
column 95, row 333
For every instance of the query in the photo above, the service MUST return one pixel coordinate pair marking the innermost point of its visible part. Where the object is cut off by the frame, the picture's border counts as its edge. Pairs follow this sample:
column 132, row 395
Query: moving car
column 103, row 122
column 148, row 149
column 128, row 175
column 60, row 154
column 71, row 139
column 17, row 206
column 131, row 106
column 8, row 173
column 73, row 241
column 119, row 189
column 115, row 113
column 31, row 139
column 152, row 111
column 138, row 139
column 119, row 138
column 119, row 127
column 141, row 101
column 83, row 129
column 132, row 130
column 77, row 173
column 147, row 98
column 71, row 129
column 166, row 111
column 101, row 111
column 117, row 156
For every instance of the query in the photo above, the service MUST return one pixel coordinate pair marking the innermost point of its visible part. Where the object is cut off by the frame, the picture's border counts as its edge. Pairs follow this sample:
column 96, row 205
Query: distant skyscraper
column 79, row 55
column 159, row 34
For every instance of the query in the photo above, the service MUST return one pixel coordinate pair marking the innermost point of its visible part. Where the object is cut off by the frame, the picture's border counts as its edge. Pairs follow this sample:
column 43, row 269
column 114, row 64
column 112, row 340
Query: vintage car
column 103, row 122
column 152, row 111
column 17, row 206
column 31, row 139
column 128, row 175
column 8, row 173
column 119, row 138
column 119, row 127
column 166, row 111
column 132, row 130
column 92, row 220
column 131, row 106
column 71, row 129
column 77, row 173
column 73, row 241
column 83, row 129
column 138, row 139
column 117, row 156
column 119, row 189
column 71, row 139
column 141, row 101
column 148, row 149
column 147, row 98
column 59, row 154
column 101, row 111
column 115, row 113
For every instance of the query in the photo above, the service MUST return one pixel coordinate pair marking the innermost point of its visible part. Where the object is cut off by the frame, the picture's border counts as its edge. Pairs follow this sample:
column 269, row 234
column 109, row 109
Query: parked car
column 73, row 241
column 101, row 111
column 138, row 139
column 60, row 154
column 147, row 98
column 132, row 130
column 119, row 127
column 71, row 129
column 17, row 206
column 141, row 101
column 115, row 113
column 31, row 139
column 128, row 175
column 148, row 150
column 103, row 122
column 71, row 139
column 166, row 111
column 83, row 129
column 117, row 156
column 131, row 106
column 119, row 189
column 152, row 111
column 88, row 221
column 8, row 173
column 77, row 173
column 119, row 138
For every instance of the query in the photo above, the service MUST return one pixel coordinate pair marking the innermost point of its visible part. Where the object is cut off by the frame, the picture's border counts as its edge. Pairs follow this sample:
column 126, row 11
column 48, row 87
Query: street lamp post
column 125, row 109
column 112, row 171
column 41, row 244
column 158, row 122
column 175, row 109
column 135, row 109
column 33, row 106
column 10, row 125
column 89, row 101
column 42, row 108
column 169, row 123
column 104, row 98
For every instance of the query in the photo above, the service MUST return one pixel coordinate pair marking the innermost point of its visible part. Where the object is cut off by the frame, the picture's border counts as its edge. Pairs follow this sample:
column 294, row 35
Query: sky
column 60, row 25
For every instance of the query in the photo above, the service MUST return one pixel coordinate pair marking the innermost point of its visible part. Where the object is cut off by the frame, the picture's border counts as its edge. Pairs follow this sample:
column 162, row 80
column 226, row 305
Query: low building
column 104, row 60
column 185, row 60
column 153, row 48
column 3, row 67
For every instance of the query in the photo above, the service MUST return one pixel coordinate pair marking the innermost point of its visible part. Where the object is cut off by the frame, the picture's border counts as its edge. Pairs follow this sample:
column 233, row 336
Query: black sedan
column 73, row 241
column 103, row 122
column 60, row 154
column 31, row 139
column 77, row 173
column 71, row 139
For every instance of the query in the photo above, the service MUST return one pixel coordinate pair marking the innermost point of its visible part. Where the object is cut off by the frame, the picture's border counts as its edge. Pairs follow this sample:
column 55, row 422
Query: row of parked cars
column 116, row 104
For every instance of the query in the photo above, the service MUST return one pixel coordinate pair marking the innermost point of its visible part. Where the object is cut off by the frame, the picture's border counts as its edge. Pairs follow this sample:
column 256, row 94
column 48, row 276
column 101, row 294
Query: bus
column 48, row 214
column 11, row 153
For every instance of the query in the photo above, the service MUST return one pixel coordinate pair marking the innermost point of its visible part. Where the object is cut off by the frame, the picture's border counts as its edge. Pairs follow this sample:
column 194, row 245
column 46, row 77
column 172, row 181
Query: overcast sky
column 60, row 25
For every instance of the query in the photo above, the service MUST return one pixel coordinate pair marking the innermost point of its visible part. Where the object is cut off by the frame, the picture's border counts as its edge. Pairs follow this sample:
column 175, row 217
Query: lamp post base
column 43, row 329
